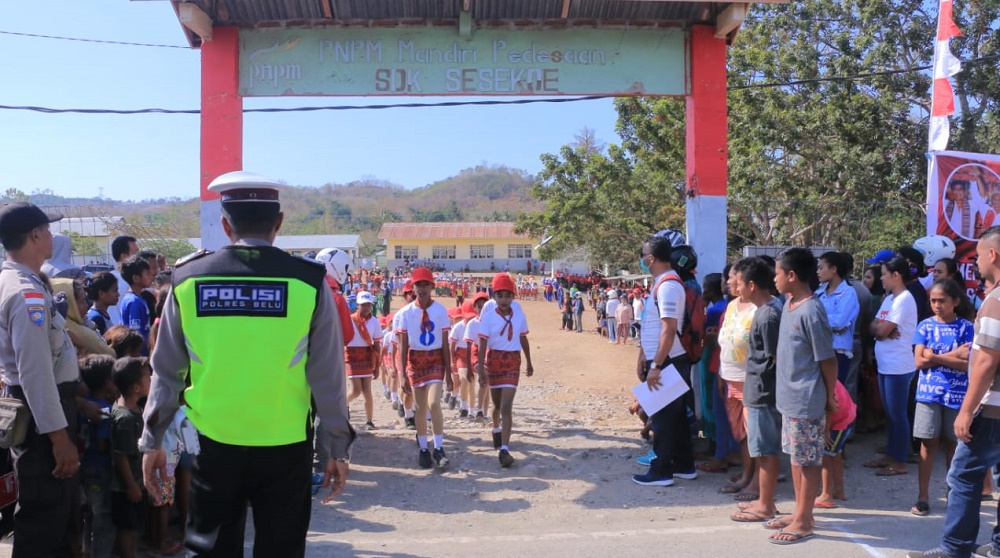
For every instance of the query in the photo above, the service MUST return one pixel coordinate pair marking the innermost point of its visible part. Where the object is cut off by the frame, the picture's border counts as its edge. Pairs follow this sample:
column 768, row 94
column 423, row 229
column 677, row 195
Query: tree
column 85, row 246
column 13, row 194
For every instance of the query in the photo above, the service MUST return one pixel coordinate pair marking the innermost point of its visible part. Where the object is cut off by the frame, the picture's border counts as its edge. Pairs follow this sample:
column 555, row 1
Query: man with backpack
column 660, row 347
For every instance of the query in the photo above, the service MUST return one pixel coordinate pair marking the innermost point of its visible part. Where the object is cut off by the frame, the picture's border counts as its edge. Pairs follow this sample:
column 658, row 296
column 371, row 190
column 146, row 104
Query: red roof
column 415, row 231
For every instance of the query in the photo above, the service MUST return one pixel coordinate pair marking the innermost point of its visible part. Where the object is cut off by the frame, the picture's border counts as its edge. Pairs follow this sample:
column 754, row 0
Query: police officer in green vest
column 249, row 335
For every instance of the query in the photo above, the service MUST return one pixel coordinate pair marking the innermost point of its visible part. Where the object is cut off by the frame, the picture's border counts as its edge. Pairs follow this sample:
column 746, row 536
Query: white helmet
column 935, row 247
column 337, row 262
column 365, row 297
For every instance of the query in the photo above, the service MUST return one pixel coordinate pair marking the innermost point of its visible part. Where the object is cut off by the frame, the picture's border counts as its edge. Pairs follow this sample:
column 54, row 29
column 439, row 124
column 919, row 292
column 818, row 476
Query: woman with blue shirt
column 841, row 303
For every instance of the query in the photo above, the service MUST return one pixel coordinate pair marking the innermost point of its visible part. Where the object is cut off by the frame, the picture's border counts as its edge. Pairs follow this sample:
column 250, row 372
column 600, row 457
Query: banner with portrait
column 963, row 199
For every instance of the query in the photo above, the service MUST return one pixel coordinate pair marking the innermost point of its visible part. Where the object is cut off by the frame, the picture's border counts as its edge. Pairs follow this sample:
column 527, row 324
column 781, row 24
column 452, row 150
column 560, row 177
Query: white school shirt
column 492, row 323
column 373, row 330
column 389, row 340
column 411, row 318
column 472, row 332
column 458, row 335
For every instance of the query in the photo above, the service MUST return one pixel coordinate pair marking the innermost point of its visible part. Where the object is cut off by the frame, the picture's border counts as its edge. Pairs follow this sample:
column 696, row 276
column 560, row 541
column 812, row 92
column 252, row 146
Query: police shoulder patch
column 192, row 256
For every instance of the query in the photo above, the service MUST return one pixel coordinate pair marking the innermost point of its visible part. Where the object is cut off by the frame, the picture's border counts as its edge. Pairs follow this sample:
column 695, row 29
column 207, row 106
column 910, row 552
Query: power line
column 36, row 36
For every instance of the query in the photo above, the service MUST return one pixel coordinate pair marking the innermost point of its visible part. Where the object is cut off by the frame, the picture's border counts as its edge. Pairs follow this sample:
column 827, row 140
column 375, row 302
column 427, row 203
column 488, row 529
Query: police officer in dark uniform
column 250, row 335
column 40, row 369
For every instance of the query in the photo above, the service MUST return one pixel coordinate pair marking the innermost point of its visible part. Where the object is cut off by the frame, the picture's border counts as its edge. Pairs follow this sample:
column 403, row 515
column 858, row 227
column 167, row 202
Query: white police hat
column 242, row 186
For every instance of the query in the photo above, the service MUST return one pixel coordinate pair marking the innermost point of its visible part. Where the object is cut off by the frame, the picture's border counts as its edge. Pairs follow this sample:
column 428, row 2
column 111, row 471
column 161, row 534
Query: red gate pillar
column 221, row 125
column 706, row 149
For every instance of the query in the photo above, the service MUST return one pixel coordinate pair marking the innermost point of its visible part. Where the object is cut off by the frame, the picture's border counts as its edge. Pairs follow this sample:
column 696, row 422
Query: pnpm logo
column 242, row 298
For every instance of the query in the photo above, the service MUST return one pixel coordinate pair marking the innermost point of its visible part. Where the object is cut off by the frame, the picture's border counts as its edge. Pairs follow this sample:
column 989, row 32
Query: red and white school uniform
column 389, row 342
column 426, row 331
column 360, row 351
column 472, row 338
column 397, row 321
column 503, row 344
column 458, row 336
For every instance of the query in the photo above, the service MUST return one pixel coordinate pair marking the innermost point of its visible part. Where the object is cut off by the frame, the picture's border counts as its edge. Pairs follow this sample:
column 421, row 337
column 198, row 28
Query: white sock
column 497, row 430
column 438, row 441
column 422, row 442
column 395, row 397
column 504, row 448
column 408, row 413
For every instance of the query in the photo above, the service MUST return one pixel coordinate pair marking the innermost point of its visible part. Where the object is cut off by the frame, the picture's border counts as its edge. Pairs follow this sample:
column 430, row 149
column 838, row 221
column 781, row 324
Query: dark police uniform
column 252, row 332
column 39, row 368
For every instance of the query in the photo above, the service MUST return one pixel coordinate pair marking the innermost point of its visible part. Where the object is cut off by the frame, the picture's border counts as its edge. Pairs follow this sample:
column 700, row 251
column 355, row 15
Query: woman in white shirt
column 893, row 329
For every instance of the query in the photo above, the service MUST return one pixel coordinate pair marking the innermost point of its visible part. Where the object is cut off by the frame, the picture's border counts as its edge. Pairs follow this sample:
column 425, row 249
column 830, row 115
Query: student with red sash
column 482, row 399
column 503, row 334
column 459, row 356
column 426, row 359
column 362, row 354
column 405, row 408
column 457, row 321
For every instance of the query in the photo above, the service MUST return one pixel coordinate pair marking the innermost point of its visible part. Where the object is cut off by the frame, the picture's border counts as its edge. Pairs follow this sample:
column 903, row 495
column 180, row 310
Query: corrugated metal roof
column 427, row 231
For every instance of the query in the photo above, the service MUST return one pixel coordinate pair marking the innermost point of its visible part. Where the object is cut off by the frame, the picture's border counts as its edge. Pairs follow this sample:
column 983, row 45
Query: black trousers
column 42, row 518
column 672, row 432
column 275, row 481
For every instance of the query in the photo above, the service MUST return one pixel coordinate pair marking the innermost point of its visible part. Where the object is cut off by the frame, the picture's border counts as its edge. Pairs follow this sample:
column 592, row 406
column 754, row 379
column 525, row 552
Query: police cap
column 21, row 217
column 242, row 186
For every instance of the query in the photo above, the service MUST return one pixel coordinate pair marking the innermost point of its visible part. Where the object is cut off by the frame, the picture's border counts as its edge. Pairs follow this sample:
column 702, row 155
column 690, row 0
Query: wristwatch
column 655, row 366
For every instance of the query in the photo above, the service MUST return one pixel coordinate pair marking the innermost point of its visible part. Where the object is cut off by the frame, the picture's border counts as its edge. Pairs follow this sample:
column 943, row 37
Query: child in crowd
column 426, row 361
column 362, row 354
column 406, row 408
column 125, row 341
column 942, row 358
column 454, row 317
column 102, row 292
column 839, row 429
column 472, row 339
column 806, row 387
column 135, row 311
column 95, row 459
column 503, row 335
column 384, row 370
column 131, row 377
column 459, row 354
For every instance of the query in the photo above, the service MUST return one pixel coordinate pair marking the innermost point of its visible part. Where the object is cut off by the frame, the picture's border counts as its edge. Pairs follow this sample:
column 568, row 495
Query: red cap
column 480, row 296
column 455, row 312
column 468, row 310
column 388, row 319
column 503, row 282
column 383, row 321
column 422, row 274
column 408, row 286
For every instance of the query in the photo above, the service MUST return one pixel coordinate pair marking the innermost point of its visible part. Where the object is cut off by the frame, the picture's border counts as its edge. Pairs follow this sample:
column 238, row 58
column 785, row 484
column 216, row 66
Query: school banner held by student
column 963, row 199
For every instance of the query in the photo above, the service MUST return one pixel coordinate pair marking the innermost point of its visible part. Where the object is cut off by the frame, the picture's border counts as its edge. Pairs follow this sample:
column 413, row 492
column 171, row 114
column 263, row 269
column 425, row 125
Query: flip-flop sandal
column 744, row 506
column 746, row 496
column 921, row 508
column 708, row 468
column 825, row 505
column 730, row 488
column 744, row 516
column 776, row 524
column 796, row 537
column 890, row 472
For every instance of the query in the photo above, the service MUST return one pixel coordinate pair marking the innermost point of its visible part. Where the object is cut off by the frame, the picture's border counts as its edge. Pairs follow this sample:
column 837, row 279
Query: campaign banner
column 963, row 200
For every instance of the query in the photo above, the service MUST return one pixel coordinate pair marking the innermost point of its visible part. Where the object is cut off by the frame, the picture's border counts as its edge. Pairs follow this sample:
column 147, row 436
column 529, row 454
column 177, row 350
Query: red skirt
column 424, row 367
column 503, row 368
column 460, row 361
column 360, row 362
column 387, row 360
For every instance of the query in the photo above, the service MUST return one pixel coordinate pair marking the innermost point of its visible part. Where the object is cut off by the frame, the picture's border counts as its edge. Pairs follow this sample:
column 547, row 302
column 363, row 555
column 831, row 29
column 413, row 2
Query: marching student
column 454, row 317
column 482, row 399
column 406, row 410
column 387, row 371
column 459, row 354
column 425, row 359
column 362, row 354
column 503, row 334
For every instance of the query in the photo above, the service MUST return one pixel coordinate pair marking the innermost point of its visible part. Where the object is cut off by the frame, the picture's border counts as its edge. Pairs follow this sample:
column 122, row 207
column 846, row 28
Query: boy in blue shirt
column 135, row 312
column 95, row 469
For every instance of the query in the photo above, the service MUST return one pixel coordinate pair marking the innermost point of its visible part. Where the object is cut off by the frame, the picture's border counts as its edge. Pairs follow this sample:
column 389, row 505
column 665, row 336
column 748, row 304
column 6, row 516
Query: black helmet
column 683, row 259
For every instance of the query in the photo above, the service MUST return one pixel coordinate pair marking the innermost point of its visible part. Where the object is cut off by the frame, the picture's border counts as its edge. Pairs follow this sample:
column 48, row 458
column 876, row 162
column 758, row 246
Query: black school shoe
column 506, row 459
column 440, row 458
column 425, row 459
column 497, row 440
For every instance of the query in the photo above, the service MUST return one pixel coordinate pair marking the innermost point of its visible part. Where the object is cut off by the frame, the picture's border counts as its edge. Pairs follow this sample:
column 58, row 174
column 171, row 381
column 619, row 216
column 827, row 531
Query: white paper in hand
column 673, row 386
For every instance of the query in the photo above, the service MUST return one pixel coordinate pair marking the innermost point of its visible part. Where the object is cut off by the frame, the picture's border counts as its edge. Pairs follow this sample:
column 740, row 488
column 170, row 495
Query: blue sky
column 153, row 156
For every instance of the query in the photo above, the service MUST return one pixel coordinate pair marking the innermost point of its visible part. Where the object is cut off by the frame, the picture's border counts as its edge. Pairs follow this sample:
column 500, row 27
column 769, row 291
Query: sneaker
column 388, row 395
column 453, row 403
column 411, row 423
column 933, row 553
column 395, row 405
column 440, row 458
column 401, row 411
column 447, row 398
column 506, row 459
column 652, row 479
column 645, row 460
column 317, row 479
column 497, row 440
column 480, row 419
column 464, row 413
column 369, row 425
column 691, row 475
column 425, row 459
column 985, row 551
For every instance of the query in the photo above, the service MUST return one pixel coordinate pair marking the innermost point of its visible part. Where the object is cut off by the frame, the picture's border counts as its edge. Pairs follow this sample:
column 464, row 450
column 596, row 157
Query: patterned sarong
column 503, row 368
column 360, row 362
column 424, row 367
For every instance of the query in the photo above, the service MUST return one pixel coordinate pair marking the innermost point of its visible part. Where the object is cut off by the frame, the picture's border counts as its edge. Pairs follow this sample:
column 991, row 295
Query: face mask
column 643, row 266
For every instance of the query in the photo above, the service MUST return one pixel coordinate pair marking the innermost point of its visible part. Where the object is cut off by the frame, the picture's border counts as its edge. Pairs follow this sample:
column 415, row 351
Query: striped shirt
column 988, row 336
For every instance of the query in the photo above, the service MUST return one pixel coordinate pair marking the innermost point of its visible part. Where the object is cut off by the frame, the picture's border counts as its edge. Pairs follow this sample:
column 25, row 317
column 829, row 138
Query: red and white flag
column 946, row 65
